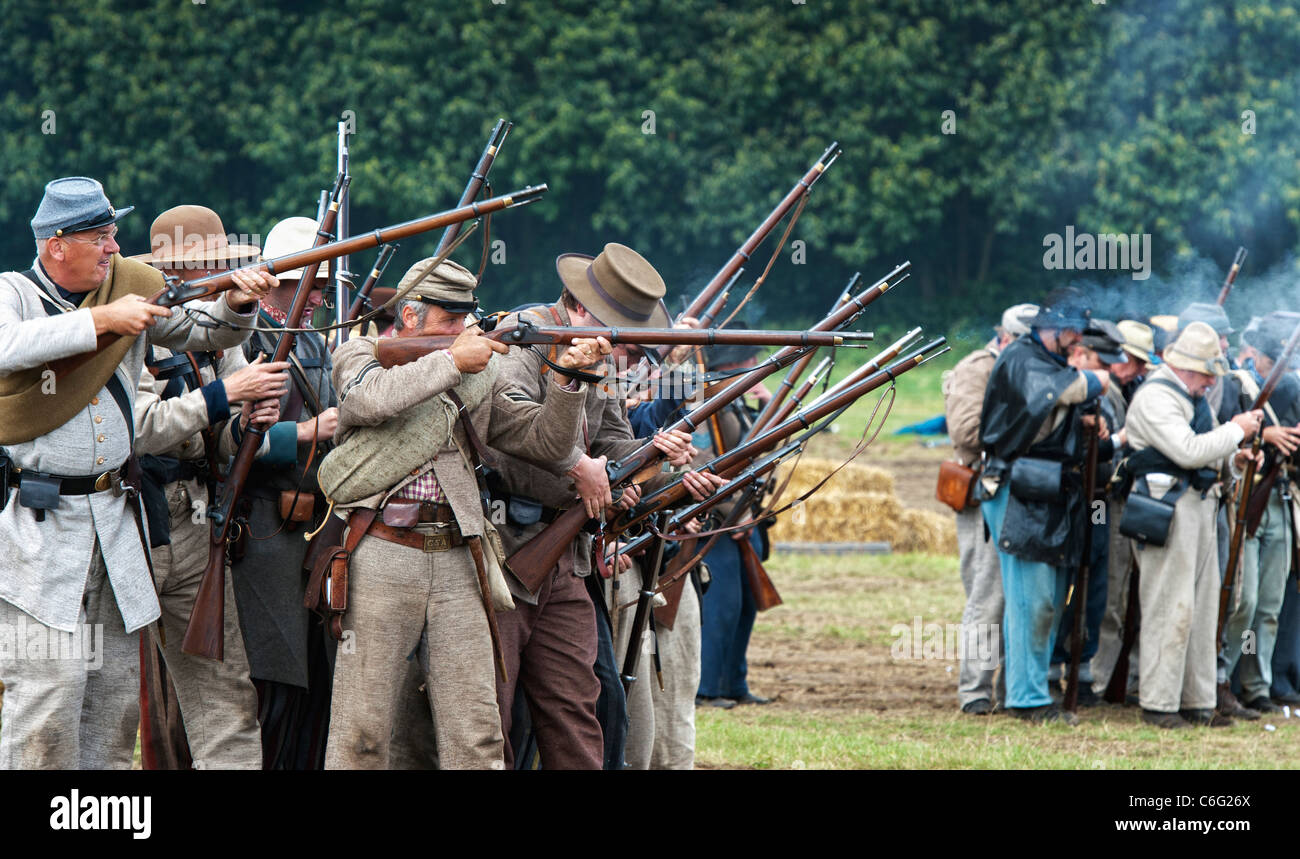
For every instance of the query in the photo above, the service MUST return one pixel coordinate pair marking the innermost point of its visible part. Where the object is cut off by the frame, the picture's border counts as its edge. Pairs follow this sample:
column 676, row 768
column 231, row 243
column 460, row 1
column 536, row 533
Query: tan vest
column 32, row 403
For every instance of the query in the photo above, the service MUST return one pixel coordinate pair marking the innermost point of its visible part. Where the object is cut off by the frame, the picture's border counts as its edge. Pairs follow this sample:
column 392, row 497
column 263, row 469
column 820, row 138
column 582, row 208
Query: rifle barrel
column 477, row 178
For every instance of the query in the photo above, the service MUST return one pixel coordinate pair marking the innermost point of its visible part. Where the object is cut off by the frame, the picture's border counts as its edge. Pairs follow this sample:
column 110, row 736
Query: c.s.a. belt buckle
column 437, row 542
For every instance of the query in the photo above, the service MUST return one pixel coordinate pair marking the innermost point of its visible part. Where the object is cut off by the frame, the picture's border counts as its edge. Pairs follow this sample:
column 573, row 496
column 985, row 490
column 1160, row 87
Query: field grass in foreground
column 842, row 702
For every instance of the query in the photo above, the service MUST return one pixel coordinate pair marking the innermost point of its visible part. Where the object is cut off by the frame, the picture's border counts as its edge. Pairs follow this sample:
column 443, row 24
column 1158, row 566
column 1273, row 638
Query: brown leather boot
column 1228, row 705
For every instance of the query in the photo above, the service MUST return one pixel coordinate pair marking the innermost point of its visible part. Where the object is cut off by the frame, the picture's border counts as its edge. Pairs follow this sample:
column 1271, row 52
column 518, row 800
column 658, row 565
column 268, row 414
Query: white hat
column 1197, row 349
column 289, row 237
column 1013, row 318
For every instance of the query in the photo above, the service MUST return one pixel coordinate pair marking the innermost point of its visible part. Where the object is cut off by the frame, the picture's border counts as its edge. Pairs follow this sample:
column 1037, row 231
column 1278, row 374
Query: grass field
column 842, row 702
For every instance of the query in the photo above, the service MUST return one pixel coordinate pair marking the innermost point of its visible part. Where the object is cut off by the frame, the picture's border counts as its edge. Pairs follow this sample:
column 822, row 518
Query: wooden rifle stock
column 206, row 287
column 1232, row 276
column 395, row 351
column 1259, row 497
column 1080, row 600
column 205, row 633
column 644, row 601
column 1117, row 688
column 760, row 584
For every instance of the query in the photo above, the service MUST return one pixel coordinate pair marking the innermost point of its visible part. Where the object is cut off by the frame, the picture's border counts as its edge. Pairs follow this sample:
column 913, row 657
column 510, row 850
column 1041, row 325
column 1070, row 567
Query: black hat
column 1065, row 307
column 1103, row 337
column 721, row 356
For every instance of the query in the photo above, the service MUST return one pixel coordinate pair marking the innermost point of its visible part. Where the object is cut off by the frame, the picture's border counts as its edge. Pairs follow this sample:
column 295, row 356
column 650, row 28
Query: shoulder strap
column 482, row 456
column 51, row 309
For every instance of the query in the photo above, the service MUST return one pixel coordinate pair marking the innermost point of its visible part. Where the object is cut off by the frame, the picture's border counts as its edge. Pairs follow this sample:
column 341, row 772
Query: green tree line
column 1176, row 118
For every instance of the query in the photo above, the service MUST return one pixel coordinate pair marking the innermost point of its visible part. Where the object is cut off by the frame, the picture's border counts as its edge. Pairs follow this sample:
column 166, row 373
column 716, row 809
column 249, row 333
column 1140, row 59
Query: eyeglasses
column 98, row 241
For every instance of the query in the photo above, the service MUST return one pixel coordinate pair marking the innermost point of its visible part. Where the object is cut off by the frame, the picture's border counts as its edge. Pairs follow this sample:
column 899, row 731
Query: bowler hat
column 73, row 205
column 619, row 287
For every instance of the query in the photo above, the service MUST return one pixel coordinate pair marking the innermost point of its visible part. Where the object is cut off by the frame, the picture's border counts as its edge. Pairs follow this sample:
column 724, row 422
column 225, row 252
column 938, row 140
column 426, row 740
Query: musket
column 376, row 272
column 342, row 270
column 864, row 380
column 1080, row 601
column 796, row 399
column 205, row 633
column 726, row 274
column 395, row 351
column 642, row 616
column 532, row 561
column 1232, row 276
column 179, row 292
column 1235, row 545
column 477, row 178
column 712, row 311
column 1117, row 688
column 773, row 406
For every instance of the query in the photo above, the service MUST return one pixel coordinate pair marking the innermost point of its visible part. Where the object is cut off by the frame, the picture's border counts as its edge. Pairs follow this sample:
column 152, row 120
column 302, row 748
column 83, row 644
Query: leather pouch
column 38, row 493
column 296, row 506
column 524, row 511
column 1036, row 480
column 401, row 514
column 955, row 484
column 1147, row 519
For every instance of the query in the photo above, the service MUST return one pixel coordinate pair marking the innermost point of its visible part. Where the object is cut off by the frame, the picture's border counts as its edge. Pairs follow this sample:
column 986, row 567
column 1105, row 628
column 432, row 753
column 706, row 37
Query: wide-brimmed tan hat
column 619, row 287
column 190, row 235
column 1139, row 340
column 1013, row 318
column 1197, row 349
column 288, row 237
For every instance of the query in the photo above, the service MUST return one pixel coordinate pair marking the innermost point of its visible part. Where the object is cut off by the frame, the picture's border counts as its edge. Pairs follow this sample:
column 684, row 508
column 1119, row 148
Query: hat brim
column 1195, row 365
column 1141, row 355
column 1111, row 358
column 572, row 269
column 225, row 254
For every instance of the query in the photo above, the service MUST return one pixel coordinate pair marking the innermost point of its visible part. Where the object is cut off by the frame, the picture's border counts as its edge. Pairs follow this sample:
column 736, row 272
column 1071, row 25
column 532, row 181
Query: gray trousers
column 217, row 699
column 1111, row 640
column 661, row 730
column 72, row 700
column 1178, row 590
column 403, row 603
column 1266, row 561
column 981, row 577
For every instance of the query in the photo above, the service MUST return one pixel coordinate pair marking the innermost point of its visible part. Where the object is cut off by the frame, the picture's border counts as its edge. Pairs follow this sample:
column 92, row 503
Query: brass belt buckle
column 437, row 542
column 104, row 482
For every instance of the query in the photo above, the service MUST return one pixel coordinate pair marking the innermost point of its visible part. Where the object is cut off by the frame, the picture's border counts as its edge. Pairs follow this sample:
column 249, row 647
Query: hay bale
column 927, row 531
column 848, row 517
column 854, row 477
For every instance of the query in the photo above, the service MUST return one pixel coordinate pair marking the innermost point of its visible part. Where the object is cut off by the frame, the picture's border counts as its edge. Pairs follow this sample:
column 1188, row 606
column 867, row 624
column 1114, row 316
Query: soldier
column 183, row 406
column 75, row 564
column 963, row 396
column 1031, row 431
column 1266, row 554
column 1100, row 349
column 290, row 654
column 1139, row 345
column 549, row 642
column 1178, row 451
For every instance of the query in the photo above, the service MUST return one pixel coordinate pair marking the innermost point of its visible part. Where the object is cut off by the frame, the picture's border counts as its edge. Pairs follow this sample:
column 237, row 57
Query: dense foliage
column 1109, row 116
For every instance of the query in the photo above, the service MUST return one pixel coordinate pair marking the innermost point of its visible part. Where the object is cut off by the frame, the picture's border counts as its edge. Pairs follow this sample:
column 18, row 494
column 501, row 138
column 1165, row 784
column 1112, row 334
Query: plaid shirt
column 424, row 488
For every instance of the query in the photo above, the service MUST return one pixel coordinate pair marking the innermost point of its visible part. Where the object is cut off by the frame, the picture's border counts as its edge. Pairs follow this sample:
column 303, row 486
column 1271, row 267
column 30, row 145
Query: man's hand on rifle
column 1096, row 422
column 1285, row 439
column 702, row 484
column 129, row 316
column 682, row 354
column 676, row 447
column 591, row 482
column 1245, row 455
column 584, row 352
column 250, row 288
column 264, row 413
column 471, row 351
column 1250, row 423
column 631, row 495
column 258, row 381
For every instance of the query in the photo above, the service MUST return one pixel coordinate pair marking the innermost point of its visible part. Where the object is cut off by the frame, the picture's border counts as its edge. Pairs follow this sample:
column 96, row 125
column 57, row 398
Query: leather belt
column 448, row 537
column 429, row 512
column 75, row 485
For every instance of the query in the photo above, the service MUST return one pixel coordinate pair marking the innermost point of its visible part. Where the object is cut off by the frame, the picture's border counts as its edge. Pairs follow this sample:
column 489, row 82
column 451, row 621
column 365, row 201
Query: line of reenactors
column 438, row 659
column 1172, row 410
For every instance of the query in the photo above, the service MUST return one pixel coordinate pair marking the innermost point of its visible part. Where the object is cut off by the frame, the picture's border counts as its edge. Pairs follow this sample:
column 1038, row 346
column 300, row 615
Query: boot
column 1228, row 705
